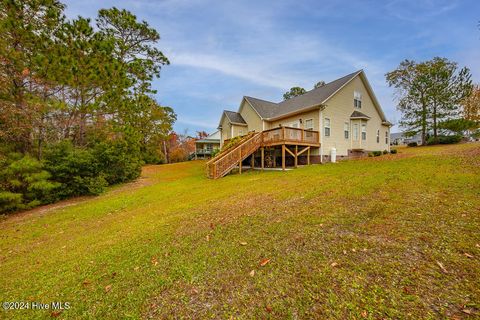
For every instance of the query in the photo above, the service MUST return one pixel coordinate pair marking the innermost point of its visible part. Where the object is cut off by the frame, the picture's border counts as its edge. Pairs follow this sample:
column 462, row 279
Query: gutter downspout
column 320, row 125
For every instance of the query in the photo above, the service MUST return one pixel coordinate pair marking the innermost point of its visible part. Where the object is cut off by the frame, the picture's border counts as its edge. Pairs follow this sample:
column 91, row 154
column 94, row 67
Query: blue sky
column 223, row 50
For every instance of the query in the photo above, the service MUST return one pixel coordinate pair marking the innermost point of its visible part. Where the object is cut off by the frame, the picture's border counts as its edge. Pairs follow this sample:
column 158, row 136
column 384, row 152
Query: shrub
column 75, row 168
column 393, row 151
column 118, row 160
column 370, row 154
column 385, row 151
column 444, row 140
column 412, row 144
column 377, row 153
column 24, row 183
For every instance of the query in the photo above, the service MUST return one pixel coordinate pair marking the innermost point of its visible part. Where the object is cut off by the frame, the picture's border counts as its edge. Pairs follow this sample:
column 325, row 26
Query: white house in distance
column 206, row 146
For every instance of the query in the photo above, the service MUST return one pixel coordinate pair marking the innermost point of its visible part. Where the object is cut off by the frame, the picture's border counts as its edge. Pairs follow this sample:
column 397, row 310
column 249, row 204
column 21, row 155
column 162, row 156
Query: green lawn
column 393, row 237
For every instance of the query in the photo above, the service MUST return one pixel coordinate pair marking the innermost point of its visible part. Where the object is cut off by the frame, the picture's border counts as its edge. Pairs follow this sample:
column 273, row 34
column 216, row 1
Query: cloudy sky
column 222, row 50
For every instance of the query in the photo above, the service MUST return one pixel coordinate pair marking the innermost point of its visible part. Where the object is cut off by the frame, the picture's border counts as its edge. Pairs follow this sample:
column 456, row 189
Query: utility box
column 333, row 155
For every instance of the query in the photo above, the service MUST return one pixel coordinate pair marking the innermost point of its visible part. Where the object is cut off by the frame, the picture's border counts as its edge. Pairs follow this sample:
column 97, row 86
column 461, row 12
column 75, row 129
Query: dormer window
column 357, row 99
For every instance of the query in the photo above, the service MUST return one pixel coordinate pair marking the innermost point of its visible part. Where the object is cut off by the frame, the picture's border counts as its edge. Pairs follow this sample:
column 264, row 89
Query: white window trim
column 327, row 127
column 364, row 130
column 305, row 124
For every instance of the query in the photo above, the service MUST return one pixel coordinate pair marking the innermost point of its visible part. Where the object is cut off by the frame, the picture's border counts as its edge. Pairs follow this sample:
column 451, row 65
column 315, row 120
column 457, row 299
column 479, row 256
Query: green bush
column 377, row 153
column 76, row 169
column 412, row 144
column 24, row 183
column 119, row 161
column 393, row 151
column 444, row 140
column 385, row 151
column 370, row 154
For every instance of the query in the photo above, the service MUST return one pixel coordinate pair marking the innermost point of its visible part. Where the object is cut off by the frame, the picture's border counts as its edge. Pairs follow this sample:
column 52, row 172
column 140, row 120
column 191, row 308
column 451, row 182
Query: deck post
column 283, row 157
column 252, row 161
column 240, row 162
column 296, row 155
column 263, row 157
column 274, row 158
column 308, row 156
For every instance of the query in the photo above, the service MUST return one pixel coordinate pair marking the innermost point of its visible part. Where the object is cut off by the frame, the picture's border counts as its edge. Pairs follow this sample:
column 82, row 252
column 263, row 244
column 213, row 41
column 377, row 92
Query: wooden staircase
column 226, row 160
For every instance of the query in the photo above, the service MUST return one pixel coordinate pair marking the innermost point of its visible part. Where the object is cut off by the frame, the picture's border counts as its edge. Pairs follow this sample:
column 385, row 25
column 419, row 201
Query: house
column 206, row 146
column 343, row 117
column 400, row 138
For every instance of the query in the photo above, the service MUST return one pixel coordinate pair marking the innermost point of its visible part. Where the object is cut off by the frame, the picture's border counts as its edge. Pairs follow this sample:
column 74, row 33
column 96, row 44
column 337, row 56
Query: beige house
column 342, row 117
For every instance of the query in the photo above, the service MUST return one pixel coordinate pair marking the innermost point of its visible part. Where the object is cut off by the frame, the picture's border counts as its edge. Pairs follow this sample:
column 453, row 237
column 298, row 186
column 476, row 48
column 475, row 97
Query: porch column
column 283, row 157
column 308, row 156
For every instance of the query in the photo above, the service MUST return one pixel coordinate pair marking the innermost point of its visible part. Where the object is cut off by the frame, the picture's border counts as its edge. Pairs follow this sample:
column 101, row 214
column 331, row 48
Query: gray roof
column 312, row 98
column 358, row 114
column 234, row 117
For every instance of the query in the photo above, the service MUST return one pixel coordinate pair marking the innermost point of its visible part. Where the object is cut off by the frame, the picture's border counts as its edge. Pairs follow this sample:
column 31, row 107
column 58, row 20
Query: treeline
column 77, row 111
column 435, row 97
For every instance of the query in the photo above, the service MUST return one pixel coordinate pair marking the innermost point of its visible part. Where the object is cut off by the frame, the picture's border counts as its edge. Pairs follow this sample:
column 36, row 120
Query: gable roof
column 233, row 117
column 358, row 115
column 311, row 99
column 213, row 137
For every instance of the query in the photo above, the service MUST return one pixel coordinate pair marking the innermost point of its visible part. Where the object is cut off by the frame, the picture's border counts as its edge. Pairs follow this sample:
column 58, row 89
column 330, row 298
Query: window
column 346, row 129
column 378, row 136
column 357, row 99
column 386, row 137
column 294, row 125
column 326, row 124
column 309, row 124
column 364, row 132
column 355, row 132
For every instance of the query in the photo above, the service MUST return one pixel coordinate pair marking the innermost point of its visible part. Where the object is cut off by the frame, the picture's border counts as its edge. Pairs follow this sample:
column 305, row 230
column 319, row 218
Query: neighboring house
column 343, row 115
column 205, row 147
column 399, row 139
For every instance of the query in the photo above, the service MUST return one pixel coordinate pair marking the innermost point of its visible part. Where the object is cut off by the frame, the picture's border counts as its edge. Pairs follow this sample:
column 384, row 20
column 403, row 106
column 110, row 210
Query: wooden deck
column 226, row 160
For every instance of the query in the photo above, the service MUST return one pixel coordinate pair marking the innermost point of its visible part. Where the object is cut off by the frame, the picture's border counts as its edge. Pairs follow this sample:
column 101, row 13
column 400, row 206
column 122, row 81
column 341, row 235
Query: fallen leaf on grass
column 364, row 313
column 86, row 282
column 194, row 291
column 344, row 251
column 442, row 267
column 243, row 243
column 55, row 314
column 468, row 255
column 252, row 273
column 264, row 262
column 208, row 237
column 467, row 311
column 154, row 261
column 136, row 268
column 108, row 288
column 268, row 309
column 333, row 264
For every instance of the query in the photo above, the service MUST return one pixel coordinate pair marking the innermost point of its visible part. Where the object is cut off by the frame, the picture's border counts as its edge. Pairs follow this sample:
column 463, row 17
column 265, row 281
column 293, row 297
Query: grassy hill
column 390, row 237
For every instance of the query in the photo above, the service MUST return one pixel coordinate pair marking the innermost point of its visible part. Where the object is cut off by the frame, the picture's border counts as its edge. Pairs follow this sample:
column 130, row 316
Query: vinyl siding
column 338, row 110
column 251, row 117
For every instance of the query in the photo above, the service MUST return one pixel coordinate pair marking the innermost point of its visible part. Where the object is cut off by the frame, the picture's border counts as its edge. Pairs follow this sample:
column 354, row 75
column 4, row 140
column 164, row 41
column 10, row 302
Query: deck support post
column 240, row 162
column 296, row 155
column 252, row 161
column 308, row 156
column 274, row 158
column 263, row 157
column 283, row 157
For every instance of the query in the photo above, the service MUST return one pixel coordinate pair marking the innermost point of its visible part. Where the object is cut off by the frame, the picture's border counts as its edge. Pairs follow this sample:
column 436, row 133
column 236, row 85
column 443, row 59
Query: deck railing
column 290, row 135
column 226, row 160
